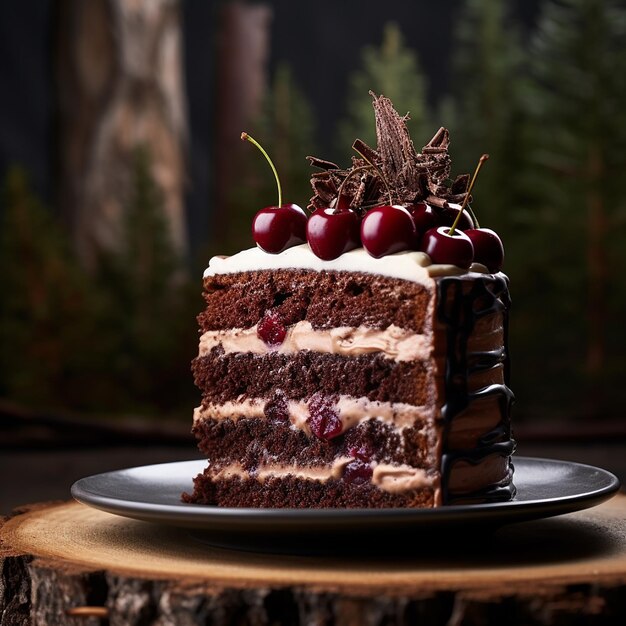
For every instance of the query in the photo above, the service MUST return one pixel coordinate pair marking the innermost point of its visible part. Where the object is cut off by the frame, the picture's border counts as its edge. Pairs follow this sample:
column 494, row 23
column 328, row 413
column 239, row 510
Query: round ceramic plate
column 152, row 493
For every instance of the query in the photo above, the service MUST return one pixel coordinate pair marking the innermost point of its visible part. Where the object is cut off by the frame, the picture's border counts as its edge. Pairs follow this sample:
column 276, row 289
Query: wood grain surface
column 59, row 558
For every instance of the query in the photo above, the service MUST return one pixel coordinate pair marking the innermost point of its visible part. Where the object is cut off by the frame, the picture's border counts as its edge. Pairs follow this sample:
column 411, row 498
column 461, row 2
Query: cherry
column 330, row 233
column 271, row 329
column 443, row 247
column 277, row 228
column 323, row 420
column 387, row 229
column 488, row 248
column 363, row 452
column 357, row 472
column 333, row 231
column 448, row 215
column 423, row 217
column 449, row 245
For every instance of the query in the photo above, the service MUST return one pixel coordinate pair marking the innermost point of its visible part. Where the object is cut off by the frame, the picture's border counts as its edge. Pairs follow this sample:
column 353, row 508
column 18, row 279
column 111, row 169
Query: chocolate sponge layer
column 254, row 441
column 289, row 492
column 222, row 377
column 325, row 299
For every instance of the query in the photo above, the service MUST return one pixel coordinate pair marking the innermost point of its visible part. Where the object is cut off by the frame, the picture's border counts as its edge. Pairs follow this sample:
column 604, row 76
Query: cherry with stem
column 279, row 227
column 389, row 228
column 482, row 159
column 488, row 248
column 452, row 245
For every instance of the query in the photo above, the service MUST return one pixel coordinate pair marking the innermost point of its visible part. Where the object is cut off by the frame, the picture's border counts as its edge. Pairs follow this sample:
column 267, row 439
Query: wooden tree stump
column 65, row 563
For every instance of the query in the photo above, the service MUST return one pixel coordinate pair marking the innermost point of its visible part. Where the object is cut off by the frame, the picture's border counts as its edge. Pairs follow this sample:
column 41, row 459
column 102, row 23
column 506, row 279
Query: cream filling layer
column 352, row 411
column 400, row 478
column 394, row 342
column 390, row 478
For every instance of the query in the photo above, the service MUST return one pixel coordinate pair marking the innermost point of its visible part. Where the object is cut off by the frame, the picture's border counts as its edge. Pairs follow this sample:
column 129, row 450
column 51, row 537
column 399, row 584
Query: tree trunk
column 243, row 49
column 120, row 89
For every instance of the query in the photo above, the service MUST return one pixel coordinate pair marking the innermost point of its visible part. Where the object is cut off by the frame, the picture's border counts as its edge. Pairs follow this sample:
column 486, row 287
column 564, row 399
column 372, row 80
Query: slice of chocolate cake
column 358, row 382
column 334, row 375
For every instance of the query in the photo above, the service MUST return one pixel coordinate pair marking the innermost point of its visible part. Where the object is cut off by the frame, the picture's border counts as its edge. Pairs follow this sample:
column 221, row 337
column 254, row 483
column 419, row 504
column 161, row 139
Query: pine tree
column 486, row 106
column 117, row 341
column 44, row 304
column 392, row 70
column 146, row 314
column 286, row 130
column 577, row 158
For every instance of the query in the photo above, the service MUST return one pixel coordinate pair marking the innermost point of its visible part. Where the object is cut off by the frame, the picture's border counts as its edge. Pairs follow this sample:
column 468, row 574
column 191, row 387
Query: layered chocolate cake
column 338, row 376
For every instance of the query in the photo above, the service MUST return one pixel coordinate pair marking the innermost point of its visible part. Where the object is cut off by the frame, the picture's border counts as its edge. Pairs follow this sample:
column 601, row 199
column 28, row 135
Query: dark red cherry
column 441, row 247
column 323, row 419
column 424, row 219
column 488, row 248
column 364, row 452
column 271, row 329
column 357, row 472
column 330, row 233
column 448, row 214
column 277, row 228
column 387, row 229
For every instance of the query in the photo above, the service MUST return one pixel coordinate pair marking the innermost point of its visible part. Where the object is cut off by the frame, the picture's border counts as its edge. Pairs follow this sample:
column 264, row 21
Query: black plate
column 152, row 493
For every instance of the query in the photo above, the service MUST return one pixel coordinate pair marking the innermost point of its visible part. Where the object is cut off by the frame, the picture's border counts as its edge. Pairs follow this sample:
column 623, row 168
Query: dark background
column 322, row 41
column 562, row 410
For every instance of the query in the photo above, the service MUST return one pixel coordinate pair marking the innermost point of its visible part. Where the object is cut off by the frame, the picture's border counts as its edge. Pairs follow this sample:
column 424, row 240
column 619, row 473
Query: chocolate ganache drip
column 461, row 304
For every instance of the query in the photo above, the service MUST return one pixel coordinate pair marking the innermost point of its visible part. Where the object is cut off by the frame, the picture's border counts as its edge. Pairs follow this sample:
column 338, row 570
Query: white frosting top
column 409, row 265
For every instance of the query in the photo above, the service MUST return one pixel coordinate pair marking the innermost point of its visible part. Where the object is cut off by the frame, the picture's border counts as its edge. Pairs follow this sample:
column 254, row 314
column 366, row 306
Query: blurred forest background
column 122, row 173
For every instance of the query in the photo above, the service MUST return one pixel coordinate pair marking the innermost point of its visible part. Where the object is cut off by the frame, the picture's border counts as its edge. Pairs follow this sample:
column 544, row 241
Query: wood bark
column 120, row 88
column 66, row 564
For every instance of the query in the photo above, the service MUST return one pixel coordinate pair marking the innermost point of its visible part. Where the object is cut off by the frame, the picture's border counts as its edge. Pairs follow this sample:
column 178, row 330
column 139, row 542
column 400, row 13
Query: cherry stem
column 246, row 137
column 482, row 159
column 348, row 177
column 469, row 209
column 378, row 171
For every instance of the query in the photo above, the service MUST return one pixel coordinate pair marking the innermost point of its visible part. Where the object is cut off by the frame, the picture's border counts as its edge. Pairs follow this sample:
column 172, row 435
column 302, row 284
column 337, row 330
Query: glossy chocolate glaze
column 462, row 301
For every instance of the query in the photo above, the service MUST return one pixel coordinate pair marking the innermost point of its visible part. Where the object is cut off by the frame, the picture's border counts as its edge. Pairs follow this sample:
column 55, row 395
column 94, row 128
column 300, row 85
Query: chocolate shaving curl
column 322, row 164
column 362, row 148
